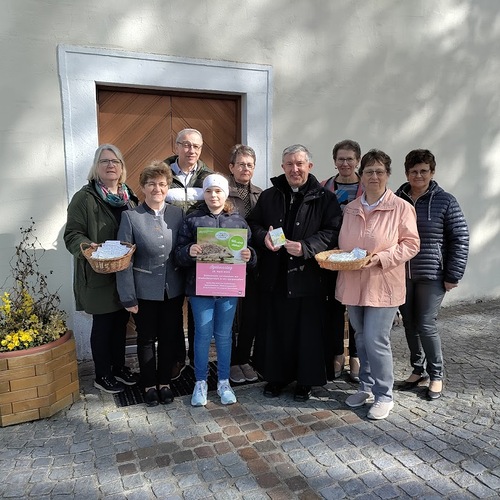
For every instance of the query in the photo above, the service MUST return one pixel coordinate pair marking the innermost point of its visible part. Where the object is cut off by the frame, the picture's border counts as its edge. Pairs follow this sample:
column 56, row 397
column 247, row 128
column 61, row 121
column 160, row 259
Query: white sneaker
column 236, row 374
column 249, row 373
column 227, row 396
column 359, row 399
column 380, row 410
column 199, row 397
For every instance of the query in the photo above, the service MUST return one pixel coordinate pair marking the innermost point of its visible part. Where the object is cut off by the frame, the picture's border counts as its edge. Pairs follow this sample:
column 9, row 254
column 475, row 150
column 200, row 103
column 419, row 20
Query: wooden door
column 144, row 125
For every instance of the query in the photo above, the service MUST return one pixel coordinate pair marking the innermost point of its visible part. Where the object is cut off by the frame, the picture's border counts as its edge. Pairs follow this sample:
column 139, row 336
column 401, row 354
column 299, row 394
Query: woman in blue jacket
column 435, row 270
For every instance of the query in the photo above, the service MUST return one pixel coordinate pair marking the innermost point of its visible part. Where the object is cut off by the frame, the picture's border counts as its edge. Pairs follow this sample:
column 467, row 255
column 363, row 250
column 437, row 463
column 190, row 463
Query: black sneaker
column 109, row 384
column 125, row 375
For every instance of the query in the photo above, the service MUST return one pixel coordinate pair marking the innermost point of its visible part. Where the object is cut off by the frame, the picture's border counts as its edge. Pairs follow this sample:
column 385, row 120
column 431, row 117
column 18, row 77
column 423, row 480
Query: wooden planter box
column 38, row 382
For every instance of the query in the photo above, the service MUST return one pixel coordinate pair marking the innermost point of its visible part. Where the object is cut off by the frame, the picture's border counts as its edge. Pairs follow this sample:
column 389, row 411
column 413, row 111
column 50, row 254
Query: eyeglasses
column 378, row 173
column 161, row 185
column 350, row 161
column 423, row 173
column 248, row 166
column 106, row 162
column 188, row 145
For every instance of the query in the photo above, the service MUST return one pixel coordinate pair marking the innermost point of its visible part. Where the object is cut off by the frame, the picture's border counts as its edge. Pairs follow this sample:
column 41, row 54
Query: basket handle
column 84, row 246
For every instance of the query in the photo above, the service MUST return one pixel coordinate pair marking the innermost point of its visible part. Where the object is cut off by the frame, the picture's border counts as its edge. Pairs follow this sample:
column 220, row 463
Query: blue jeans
column 213, row 317
column 423, row 301
column 373, row 341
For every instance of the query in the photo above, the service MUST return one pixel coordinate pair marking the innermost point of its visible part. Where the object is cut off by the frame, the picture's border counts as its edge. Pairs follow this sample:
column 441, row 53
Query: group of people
column 289, row 327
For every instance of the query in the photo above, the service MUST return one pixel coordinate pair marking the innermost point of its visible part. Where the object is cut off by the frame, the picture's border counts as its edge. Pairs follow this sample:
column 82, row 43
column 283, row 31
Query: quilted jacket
column 444, row 236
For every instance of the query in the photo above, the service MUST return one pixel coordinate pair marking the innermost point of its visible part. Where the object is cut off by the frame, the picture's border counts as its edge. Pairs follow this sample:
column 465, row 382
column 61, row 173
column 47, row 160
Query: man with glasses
column 347, row 187
column 186, row 192
column 291, row 285
column 188, row 170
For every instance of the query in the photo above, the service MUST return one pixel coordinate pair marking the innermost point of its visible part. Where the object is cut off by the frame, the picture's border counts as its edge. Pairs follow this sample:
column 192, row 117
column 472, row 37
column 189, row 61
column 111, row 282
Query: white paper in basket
column 355, row 254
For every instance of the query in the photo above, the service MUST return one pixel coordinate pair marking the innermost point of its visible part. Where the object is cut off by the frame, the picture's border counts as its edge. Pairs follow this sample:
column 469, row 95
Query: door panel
column 144, row 126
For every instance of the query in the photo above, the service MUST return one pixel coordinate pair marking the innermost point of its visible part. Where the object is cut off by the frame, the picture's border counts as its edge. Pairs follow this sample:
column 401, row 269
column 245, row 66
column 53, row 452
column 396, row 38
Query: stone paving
column 277, row 449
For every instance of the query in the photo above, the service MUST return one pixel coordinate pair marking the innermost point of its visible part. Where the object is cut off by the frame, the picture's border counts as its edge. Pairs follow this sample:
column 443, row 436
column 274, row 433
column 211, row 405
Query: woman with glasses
column 152, row 288
column 346, row 186
column 94, row 215
column 386, row 227
column 435, row 270
column 244, row 195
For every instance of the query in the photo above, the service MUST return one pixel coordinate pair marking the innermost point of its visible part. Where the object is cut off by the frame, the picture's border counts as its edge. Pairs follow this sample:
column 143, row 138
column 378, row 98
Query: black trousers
column 107, row 341
column 158, row 323
column 293, row 340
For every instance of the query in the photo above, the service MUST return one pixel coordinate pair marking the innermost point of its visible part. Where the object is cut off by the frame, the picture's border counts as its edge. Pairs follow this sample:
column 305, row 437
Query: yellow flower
column 29, row 313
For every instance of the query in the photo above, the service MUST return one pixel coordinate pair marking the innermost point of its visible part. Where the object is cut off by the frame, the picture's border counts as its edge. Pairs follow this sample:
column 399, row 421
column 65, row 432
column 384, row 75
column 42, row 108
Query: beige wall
column 392, row 75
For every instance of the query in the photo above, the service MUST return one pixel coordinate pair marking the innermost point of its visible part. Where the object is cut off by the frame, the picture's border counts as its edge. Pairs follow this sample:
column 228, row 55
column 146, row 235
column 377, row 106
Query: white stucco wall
column 392, row 75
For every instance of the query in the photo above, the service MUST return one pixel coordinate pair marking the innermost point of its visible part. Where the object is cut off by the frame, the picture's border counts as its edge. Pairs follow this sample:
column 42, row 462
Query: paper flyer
column 220, row 271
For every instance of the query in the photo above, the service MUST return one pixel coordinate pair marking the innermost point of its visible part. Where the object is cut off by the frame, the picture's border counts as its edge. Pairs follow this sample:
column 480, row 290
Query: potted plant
column 38, row 366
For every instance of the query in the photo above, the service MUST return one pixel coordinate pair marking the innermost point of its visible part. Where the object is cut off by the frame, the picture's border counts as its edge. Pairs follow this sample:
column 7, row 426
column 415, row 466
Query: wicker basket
column 352, row 265
column 106, row 266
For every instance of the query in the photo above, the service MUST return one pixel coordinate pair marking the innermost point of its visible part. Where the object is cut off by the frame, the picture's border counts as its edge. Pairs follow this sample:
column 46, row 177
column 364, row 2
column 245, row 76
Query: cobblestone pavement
column 265, row 448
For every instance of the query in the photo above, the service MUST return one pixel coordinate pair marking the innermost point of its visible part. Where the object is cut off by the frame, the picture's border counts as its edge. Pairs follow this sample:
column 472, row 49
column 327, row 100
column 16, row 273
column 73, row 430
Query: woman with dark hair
column 152, row 287
column 94, row 215
column 244, row 195
column 435, row 270
column 347, row 186
column 386, row 227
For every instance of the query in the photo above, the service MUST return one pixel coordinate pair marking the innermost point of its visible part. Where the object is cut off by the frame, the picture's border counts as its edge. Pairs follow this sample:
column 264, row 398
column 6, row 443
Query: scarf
column 244, row 193
column 115, row 200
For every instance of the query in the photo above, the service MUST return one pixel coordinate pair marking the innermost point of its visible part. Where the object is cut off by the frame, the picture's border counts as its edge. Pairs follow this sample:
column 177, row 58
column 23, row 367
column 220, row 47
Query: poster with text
column 220, row 272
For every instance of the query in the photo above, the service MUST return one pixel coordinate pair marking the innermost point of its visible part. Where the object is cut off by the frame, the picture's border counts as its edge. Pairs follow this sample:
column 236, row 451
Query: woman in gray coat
column 152, row 288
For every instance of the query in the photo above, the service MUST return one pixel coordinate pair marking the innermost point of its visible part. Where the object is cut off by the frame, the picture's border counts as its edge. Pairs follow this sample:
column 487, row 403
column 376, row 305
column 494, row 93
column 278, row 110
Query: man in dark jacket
column 290, row 280
column 186, row 192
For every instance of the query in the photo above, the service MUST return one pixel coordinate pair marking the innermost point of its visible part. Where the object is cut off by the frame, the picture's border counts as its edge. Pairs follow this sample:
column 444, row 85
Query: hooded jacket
column 444, row 235
column 390, row 231
column 316, row 226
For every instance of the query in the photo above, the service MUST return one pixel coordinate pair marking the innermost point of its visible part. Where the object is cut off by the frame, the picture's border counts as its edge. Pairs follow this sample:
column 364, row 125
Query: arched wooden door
column 144, row 125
